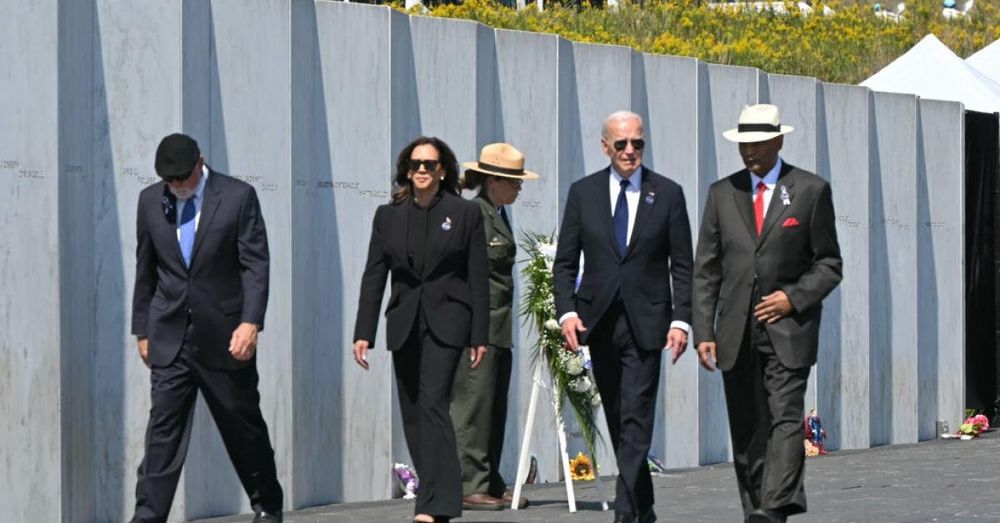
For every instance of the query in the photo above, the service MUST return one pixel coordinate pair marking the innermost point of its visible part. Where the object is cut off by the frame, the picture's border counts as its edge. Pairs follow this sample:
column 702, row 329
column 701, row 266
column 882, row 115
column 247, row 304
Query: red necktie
column 758, row 207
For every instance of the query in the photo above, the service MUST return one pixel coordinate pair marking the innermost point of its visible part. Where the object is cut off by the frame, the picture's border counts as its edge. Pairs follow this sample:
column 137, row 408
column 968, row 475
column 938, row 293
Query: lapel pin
column 166, row 205
column 650, row 197
column 785, row 199
column 446, row 224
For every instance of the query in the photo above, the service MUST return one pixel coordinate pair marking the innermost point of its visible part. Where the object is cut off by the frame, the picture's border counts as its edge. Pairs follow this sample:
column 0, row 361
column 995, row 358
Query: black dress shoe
column 766, row 516
column 267, row 517
column 623, row 518
column 646, row 516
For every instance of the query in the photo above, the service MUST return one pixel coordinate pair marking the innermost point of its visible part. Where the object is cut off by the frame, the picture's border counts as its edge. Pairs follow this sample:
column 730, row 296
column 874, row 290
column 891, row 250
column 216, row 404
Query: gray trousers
column 765, row 404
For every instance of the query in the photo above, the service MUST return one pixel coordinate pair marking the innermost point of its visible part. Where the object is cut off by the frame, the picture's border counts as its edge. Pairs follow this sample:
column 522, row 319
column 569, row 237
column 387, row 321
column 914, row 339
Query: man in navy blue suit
column 201, row 286
column 634, row 299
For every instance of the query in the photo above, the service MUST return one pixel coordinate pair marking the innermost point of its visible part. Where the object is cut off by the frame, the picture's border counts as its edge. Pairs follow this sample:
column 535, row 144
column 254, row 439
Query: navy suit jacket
column 658, row 258
column 226, row 284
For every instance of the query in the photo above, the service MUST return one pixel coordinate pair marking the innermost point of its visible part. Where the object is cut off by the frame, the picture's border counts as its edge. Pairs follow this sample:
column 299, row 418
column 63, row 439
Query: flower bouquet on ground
column 407, row 478
column 972, row 427
column 568, row 369
column 815, row 441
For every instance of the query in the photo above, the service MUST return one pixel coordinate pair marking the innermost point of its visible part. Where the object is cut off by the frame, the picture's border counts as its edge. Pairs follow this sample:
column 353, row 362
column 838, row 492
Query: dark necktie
column 758, row 207
column 620, row 219
column 503, row 216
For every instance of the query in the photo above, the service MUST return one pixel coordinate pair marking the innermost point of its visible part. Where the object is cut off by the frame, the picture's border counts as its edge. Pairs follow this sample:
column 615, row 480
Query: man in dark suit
column 767, row 256
column 201, row 286
column 632, row 227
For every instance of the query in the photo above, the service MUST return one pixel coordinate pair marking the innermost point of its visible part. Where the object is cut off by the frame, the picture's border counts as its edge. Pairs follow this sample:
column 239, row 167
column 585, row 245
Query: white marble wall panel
column 723, row 91
column 342, row 450
column 797, row 98
column 941, row 248
column 528, row 118
column 843, row 370
column 893, row 263
column 669, row 106
column 136, row 101
column 31, row 391
column 238, row 105
column 453, row 78
column 594, row 81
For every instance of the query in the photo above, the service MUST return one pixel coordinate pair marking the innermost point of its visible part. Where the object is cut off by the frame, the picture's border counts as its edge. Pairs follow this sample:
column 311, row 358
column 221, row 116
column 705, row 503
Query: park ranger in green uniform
column 479, row 395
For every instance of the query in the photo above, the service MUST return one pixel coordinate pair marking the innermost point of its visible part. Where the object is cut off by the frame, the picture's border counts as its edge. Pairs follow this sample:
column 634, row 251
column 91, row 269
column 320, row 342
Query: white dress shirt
column 632, row 193
column 199, row 192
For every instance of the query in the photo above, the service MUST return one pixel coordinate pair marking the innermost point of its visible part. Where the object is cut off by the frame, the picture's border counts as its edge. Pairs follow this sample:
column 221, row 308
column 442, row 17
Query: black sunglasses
column 181, row 178
column 430, row 165
column 637, row 144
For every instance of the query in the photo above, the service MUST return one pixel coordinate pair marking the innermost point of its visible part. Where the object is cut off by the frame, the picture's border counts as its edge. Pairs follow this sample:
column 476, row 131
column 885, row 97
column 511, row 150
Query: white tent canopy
column 987, row 61
column 931, row 70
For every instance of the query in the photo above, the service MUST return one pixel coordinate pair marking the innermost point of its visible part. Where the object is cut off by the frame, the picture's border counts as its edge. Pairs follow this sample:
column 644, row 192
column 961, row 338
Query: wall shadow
column 927, row 299
column 211, row 487
column 320, row 434
column 713, row 440
column 571, row 166
column 405, row 125
column 880, row 304
column 78, row 175
column 829, row 382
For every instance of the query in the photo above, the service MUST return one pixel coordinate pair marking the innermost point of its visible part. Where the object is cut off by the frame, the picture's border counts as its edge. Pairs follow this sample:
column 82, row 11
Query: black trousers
column 234, row 402
column 479, row 411
column 425, row 370
column 628, row 378
column 765, row 403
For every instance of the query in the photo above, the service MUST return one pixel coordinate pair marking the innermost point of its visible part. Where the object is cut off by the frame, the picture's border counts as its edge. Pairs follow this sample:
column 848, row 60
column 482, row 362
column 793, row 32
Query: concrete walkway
column 942, row 480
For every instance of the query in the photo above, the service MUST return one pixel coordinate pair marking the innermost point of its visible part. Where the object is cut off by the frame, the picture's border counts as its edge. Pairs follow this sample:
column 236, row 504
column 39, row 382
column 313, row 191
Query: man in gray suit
column 767, row 256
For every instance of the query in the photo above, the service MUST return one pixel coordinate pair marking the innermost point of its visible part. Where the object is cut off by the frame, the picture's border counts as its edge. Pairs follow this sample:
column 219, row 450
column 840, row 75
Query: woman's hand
column 476, row 355
column 361, row 353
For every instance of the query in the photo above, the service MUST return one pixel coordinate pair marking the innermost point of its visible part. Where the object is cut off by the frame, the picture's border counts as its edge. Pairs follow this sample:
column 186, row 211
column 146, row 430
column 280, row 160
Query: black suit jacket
column 797, row 252
column 659, row 254
column 453, row 289
column 226, row 284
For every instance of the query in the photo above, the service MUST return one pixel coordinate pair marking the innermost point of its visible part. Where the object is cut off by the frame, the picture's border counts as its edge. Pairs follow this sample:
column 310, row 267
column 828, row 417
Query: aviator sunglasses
column 180, row 178
column 430, row 165
column 637, row 144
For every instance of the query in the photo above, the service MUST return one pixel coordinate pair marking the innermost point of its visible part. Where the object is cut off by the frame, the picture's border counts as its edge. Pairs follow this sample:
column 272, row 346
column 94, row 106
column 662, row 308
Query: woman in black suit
column 432, row 241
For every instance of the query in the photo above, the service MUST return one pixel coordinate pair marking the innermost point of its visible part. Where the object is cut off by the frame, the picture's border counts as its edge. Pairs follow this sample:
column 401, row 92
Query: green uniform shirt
column 502, row 250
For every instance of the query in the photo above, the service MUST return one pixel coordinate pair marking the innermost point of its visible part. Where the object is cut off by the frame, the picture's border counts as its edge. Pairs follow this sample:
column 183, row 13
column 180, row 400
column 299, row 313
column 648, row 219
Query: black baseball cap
column 176, row 156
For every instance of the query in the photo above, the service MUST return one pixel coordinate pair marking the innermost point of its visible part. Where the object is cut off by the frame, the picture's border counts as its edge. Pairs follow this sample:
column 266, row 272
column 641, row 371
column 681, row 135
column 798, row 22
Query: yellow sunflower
column 580, row 468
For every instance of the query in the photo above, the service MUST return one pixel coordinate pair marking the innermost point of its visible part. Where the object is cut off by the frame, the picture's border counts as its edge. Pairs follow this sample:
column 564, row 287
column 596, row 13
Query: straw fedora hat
column 758, row 123
column 501, row 159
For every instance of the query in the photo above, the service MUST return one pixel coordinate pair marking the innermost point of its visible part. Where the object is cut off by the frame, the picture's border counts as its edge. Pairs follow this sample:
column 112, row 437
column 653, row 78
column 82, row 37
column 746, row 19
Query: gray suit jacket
column 797, row 252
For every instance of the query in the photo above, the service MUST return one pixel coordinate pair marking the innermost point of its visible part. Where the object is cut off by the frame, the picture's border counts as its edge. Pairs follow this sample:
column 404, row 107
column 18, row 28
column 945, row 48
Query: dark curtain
column 982, row 146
